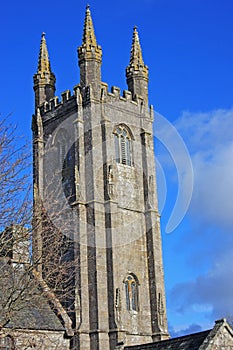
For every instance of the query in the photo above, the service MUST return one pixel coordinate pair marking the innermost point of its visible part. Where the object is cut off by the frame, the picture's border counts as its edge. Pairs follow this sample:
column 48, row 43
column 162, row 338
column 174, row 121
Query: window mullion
column 123, row 150
column 120, row 153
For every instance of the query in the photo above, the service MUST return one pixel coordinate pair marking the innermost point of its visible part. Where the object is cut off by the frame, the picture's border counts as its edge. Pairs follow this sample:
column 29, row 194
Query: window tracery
column 63, row 150
column 123, row 145
column 65, row 166
column 131, row 291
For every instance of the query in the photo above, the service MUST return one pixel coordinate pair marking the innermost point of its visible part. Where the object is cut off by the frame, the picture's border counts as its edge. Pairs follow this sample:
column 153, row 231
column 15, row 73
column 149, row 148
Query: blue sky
column 188, row 48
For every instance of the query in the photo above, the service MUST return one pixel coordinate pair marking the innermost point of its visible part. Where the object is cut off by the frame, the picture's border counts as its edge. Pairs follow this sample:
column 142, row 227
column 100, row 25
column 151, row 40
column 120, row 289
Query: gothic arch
column 123, row 144
column 61, row 142
column 125, row 126
column 131, row 283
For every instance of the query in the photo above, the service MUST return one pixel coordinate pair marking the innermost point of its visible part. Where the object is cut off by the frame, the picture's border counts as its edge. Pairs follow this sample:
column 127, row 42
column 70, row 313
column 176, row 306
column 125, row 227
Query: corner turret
column 90, row 57
column 44, row 79
column 137, row 71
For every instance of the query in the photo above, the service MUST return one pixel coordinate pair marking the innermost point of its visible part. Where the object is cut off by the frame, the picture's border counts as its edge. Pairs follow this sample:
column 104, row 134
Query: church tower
column 97, row 146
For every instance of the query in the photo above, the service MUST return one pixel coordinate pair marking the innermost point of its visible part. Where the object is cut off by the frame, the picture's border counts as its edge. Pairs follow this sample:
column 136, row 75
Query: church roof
column 221, row 334
column 187, row 342
column 21, row 304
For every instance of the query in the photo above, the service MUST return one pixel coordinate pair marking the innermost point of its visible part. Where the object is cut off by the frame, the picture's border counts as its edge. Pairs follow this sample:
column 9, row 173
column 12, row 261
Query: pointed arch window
column 64, row 152
column 7, row 343
column 65, row 162
column 131, row 292
column 123, row 145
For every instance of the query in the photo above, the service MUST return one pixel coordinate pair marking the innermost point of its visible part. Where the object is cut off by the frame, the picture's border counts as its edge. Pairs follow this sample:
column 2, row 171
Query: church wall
column 220, row 337
column 37, row 339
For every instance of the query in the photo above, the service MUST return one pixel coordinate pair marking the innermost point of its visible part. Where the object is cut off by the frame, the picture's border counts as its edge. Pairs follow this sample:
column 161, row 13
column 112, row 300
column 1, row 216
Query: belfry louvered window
column 123, row 145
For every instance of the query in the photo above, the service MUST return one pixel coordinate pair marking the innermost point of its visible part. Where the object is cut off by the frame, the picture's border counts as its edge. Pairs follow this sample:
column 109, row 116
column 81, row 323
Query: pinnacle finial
column 43, row 62
column 137, row 71
column 136, row 59
column 44, row 79
column 90, row 56
column 89, row 38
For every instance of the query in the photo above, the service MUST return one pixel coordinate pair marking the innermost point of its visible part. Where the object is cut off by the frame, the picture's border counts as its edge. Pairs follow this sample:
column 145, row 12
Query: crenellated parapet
column 85, row 97
column 55, row 103
column 91, row 88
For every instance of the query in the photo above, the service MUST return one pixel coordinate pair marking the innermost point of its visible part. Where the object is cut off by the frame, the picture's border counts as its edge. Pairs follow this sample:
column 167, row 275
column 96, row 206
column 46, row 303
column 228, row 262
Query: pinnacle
column 43, row 62
column 136, row 59
column 89, row 38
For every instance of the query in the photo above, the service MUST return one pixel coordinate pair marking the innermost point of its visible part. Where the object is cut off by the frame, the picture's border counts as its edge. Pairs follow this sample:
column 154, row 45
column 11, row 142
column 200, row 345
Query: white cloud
column 193, row 328
column 209, row 139
column 213, row 187
column 210, row 293
column 205, row 130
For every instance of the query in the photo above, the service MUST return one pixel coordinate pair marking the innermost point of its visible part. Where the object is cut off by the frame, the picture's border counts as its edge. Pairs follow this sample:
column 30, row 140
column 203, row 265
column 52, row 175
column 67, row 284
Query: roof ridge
column 189, row 335
column 172, row 341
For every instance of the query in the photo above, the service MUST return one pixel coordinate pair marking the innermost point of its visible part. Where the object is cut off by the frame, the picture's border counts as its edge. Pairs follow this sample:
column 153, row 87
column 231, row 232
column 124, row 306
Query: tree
column 14, row 177
column 22, row 289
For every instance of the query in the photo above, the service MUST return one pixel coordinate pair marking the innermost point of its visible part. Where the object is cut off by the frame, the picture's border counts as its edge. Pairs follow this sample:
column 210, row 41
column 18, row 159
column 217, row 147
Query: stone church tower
column 103, row 143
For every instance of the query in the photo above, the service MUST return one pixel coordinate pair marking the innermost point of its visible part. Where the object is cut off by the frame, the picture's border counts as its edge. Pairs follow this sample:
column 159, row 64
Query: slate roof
column 187, row 342
column 27, row 308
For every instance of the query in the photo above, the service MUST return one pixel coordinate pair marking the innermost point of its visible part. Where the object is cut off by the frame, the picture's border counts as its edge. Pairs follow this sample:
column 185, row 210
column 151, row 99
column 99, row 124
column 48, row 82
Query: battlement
column 84, row 96
column 115, row 93
column 54, row 103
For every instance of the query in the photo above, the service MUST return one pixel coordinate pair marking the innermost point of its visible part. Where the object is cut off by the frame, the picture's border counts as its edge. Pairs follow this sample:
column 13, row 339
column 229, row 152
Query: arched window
column 6, row 343
column 131, row 291
column 123, row 145
column 64, row 153
column 65, row 167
